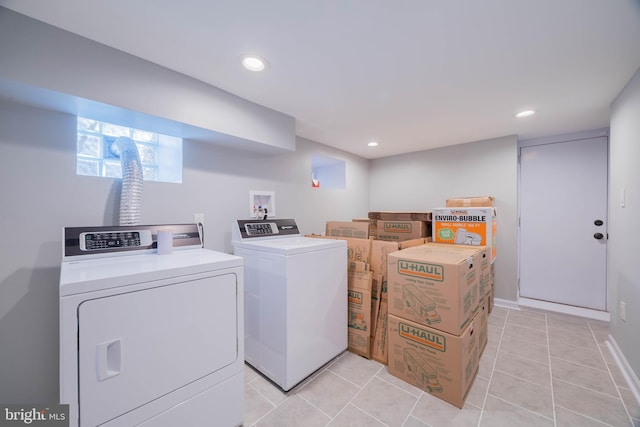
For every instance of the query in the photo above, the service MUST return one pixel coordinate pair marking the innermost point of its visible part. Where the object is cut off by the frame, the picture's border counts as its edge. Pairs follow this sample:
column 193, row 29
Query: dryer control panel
column 114, row 239
column 85, row 242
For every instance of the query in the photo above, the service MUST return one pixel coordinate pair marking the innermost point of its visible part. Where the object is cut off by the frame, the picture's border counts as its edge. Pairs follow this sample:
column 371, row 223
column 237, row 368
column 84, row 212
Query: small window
column 327, row 172
column 160, row 155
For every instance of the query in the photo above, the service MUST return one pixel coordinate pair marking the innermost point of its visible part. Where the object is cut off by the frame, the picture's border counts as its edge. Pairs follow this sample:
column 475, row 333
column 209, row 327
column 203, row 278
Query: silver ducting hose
column 131, row 195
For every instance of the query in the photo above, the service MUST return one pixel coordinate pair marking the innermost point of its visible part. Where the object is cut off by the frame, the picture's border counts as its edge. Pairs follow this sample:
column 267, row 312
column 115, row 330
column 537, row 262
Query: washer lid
column 292, row 245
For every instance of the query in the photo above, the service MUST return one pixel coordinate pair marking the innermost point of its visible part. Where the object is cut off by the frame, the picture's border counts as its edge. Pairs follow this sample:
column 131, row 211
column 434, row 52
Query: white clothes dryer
column 149, row 339
column 295, row 298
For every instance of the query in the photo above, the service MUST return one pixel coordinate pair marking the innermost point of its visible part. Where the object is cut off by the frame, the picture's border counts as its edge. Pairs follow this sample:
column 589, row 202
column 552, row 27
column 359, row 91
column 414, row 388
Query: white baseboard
column 505, row 303
column 625, row 368
column 565, row 309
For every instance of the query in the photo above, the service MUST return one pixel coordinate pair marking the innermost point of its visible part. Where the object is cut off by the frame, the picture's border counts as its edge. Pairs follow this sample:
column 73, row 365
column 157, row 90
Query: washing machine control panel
column 249, row 229
column 91, row 241
column 261, row 228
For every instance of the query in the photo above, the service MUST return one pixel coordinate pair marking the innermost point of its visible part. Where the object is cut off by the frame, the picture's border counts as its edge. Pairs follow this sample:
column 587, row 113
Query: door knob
column 598, row 236
column 598, row 222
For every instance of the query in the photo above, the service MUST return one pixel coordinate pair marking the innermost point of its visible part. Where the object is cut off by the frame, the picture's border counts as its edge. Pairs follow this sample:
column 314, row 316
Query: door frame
column 550, row 306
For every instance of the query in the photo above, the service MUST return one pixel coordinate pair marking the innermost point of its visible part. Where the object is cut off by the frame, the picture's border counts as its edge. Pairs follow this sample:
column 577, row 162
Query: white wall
column 40, row 194
column 424, row 180
column 623, row 248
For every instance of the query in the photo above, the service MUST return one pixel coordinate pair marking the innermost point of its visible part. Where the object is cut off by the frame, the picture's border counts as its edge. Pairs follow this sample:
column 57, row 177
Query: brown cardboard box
column 376, row 295
column 483, row 329
column 466, row 226
column 398, row 231
column 379, row 347
column 481, row 256
column 359, row 230
column 400, row 216
column 433, row 286
column 358, row 250
column 359, row 313
column 379, row 251
column 490, row 297
column 439, row 363
column 361, row 220
column 471, row 202
column 413, row 242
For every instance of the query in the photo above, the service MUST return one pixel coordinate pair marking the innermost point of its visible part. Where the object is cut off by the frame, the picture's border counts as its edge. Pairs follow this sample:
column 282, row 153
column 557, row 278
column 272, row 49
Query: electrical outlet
column 623, row 311
column 198, row 218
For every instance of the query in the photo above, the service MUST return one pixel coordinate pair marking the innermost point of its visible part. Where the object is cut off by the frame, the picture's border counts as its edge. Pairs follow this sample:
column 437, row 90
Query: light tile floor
column 538, row 369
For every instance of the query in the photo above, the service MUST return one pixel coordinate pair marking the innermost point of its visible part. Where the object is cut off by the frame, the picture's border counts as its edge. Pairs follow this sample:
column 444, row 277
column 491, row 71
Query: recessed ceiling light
column 372, row 144
column 526, row 113
column 254, row 63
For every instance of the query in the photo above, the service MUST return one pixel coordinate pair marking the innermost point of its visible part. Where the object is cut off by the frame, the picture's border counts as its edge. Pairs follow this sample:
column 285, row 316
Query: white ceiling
column 410, row 74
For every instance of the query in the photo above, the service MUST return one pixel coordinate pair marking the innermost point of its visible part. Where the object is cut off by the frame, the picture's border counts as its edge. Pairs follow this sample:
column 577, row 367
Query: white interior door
column 563, row 196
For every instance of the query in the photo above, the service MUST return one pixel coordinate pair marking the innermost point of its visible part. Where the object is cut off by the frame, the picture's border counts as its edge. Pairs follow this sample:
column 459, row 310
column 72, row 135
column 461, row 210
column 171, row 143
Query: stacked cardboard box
column 367, row 298
column 399, row 226
column 436, row 322
column 466, row 226
column 444, row 229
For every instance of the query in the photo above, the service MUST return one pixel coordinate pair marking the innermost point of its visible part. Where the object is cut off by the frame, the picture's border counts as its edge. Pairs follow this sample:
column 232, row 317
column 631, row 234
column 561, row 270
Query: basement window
column 327, row 172
column 160, row 155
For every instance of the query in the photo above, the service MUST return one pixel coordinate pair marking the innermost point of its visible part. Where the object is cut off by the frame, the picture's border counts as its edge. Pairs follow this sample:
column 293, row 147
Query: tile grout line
column 493, row 368
column 350, row 402
column 585, row 416
column 522, row 379
column 520, row 407
column 411, row 410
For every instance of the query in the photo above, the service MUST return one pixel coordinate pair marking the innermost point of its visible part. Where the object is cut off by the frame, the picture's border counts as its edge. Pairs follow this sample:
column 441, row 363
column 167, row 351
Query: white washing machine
column 295, row 298
column 149, row 339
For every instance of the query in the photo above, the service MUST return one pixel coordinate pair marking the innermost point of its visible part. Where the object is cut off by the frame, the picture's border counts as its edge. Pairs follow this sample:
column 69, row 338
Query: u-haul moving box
column 466, row 226
column 439, row 363
column 481, row 256
column 398, row 231
column 433, row 286
column 359, row 313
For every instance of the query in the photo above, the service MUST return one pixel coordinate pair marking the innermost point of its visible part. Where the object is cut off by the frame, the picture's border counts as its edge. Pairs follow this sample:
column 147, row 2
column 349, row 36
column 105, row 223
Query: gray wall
column 424, row 180
column 53, row 67
column 41, row 193
column 623, row 266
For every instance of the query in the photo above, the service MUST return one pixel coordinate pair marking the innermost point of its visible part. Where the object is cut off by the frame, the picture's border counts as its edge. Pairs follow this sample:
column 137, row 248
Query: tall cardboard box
column 376, row 296
column 439, row 363
column 359, row 313
column 466, row 226
column 433, row 286
column 483, row 328
column 379, row 251
column 379, row 349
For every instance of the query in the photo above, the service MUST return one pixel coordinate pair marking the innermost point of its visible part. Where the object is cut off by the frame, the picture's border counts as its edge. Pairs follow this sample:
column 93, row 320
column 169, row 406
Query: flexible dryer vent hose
column 131, row 195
